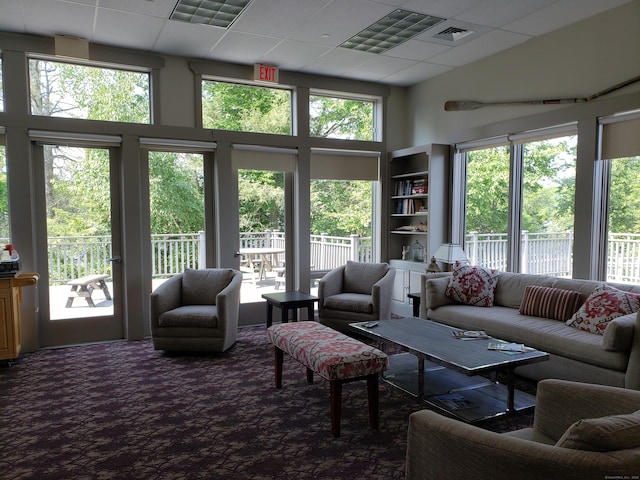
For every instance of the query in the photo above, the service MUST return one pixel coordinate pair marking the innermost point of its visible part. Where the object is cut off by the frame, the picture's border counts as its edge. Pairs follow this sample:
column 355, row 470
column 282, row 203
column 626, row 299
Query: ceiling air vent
column 453, row 34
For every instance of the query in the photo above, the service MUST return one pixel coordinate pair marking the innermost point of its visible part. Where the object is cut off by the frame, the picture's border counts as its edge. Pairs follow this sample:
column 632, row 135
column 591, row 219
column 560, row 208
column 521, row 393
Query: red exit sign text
column 265, row 73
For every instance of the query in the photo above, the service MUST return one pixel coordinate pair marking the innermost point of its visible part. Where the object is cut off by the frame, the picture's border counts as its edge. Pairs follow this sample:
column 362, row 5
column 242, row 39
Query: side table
column 415, row 297
column 286, row 301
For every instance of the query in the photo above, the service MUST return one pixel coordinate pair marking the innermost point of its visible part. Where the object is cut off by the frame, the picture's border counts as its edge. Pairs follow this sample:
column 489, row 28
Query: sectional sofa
column 536, row 310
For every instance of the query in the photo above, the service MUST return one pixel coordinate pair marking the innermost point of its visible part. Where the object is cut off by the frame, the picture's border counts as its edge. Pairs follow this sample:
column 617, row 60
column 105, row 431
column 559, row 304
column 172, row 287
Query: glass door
column 262, row 233
column 82, row 303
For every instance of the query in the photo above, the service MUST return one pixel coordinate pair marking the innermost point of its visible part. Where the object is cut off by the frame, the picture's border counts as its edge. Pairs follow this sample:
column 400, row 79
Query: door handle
column 115, row 258
column 236, row 254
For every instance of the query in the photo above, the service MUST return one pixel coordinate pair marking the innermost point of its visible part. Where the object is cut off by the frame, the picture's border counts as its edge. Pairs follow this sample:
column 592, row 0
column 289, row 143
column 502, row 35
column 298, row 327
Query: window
column 347, row 119
column 91, row 93
column 520, row 194
column 244, row 108
column 1, row 89
column 5, row 233
column 548, row 193
column 621, row 154
column 487, row 206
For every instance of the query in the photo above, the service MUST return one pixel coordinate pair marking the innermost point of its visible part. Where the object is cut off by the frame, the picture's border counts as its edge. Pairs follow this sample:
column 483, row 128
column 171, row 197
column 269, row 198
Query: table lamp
column 450, row 253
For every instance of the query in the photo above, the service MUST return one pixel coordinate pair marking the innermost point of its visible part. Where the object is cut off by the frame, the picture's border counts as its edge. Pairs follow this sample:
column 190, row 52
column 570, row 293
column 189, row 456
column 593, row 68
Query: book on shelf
column 470, row 334
column 454, row 401
column 411, row 187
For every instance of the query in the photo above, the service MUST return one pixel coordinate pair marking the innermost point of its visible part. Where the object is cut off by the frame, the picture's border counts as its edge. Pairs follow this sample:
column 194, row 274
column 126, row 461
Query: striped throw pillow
column 548, row 302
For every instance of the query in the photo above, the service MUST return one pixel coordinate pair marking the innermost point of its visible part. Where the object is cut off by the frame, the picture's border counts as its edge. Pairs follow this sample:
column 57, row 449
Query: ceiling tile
column 344, row 19
column 495, row 13
column 293, row 55
column 241, row 47
column 416, row 50
column 265, row 17
column 485, row 45
column 378, row 68
column 155, row 8
column 190, row 40
column 127, row 29
column 56, row 20
column 416, row 73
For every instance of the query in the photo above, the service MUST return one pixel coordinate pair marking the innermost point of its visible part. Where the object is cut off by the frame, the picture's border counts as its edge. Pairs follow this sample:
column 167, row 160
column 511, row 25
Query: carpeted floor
column 124, row 411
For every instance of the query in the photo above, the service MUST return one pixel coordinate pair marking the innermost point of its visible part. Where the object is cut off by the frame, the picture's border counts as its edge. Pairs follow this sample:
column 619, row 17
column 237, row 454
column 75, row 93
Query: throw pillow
column 606, row 434
column 473, row 285
column 548, row 302
column 602, row 306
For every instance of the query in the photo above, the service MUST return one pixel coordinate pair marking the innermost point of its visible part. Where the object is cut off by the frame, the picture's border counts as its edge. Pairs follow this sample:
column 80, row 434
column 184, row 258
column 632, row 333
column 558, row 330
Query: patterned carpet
column 124, row 411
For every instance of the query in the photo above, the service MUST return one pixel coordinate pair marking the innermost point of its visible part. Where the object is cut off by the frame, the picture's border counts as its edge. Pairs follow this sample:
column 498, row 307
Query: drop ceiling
column 308, row 35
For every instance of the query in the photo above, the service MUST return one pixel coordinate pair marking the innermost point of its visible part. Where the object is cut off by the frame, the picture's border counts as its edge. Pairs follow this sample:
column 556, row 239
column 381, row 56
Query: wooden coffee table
column 446, row 372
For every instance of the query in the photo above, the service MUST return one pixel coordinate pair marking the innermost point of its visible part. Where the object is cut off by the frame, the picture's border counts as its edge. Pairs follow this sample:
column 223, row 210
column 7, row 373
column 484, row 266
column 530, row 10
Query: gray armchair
column 197, row 310
column 355, row 292
column 440, row 447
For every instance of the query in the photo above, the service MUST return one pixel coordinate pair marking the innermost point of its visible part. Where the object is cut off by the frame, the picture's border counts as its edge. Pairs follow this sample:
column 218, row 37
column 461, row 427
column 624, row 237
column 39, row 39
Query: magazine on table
column 507, row 347
column 454, row 401
column 470, row 334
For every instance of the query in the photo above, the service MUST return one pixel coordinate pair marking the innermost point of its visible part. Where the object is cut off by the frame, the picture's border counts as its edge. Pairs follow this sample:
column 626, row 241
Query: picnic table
column 84, row 287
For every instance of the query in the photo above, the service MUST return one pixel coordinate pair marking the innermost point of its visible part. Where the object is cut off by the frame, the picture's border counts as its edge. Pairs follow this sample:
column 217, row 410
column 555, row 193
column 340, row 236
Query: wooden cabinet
column 418, row 215
column 10, row 298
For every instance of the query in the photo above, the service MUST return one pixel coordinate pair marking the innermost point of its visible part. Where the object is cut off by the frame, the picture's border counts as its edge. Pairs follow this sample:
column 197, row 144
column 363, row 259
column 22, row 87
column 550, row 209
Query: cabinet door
column 399, row 286
column 415, row 277
column 7, row 333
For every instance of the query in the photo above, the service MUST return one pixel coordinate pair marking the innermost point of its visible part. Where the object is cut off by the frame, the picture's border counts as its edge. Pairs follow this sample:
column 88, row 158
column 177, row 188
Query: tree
column 624, row 195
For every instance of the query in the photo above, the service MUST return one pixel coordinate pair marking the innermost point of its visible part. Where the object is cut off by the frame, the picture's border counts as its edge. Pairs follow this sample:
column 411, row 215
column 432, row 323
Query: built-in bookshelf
column 418, row 212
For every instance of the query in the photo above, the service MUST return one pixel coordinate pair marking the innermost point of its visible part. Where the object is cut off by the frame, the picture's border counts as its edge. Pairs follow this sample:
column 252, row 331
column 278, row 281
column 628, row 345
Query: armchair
column 440, row 447
column 355, row 292
column 196, row 310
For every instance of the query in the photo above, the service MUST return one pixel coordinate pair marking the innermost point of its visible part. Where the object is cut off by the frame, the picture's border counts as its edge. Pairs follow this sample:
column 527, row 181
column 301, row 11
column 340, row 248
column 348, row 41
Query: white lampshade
column 450, row 253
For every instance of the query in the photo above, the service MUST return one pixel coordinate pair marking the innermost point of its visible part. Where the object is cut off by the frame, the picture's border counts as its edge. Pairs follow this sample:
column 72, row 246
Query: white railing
column 543, row 253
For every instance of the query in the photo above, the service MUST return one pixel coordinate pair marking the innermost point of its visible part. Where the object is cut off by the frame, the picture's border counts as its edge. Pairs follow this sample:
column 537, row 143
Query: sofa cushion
column 360, row 277
column 547, row 302
column 473, row 285
column 201, row 286
column 200, row 316
column 349, row 302
column 606, row 434
column 618, row 335
column 602, row 306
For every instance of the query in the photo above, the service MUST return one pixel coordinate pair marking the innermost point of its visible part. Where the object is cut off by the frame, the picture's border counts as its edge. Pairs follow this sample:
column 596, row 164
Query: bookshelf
column 418, row 213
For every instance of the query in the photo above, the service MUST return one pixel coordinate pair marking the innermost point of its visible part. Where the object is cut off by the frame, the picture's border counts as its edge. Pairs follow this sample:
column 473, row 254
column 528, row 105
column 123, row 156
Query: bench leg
column 279, row 359
column 105, row 289
column 372, row 392
column 335, row 389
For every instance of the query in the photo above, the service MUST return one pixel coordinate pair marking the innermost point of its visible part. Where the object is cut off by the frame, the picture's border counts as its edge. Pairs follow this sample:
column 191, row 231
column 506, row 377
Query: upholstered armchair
column 562, row 444
column 197, row 310
column 355, row 292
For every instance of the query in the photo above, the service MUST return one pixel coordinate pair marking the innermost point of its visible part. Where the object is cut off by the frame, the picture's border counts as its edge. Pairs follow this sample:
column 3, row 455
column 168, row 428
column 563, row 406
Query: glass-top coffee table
column 447, row 372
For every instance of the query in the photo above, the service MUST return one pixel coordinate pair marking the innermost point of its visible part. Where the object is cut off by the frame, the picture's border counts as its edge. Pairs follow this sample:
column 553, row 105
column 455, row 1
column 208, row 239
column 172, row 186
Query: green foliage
column 548, row 185
column 176, row 192
column 341, row 208
column 488, row 190
column 625, row 195
column 68, row 90
column 261, row 200
column 340, row 118
column 230, row 106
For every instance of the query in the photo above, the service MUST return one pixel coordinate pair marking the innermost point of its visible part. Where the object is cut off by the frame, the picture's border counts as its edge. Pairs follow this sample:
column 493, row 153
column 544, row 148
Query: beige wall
column 575, row 61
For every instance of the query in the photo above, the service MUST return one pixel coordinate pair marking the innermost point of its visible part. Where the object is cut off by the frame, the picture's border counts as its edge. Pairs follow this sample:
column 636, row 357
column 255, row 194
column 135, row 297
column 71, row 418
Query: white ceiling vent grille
column 453, row 34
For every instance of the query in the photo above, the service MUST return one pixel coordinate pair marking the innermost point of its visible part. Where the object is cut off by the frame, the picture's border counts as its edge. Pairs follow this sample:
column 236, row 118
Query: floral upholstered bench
column 332, row 355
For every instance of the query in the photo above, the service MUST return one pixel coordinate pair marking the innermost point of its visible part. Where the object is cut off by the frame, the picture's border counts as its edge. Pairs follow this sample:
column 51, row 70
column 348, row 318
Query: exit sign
column 265, row 73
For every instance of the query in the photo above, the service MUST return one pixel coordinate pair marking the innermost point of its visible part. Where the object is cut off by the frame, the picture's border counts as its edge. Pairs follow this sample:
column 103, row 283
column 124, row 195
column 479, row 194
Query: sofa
column 606, row 353
column 580, row 432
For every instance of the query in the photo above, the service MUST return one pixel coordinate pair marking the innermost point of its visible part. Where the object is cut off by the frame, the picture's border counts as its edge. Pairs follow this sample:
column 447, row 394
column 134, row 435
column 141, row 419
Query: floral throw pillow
column 472, row 285
column 602, row 306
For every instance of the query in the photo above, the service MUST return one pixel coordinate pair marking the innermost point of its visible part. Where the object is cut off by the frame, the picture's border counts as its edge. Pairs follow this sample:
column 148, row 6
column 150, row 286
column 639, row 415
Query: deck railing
column 543, row 253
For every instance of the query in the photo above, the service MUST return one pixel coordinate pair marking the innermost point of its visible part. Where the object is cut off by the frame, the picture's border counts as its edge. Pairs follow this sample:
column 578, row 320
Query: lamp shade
column 450, row 253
